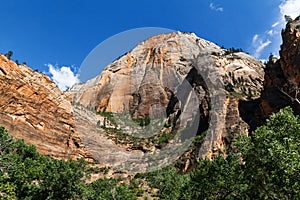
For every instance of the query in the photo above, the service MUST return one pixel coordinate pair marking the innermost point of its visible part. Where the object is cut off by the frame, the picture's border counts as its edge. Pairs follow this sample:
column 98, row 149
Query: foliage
column 36, row 176
column 124, row 137
column 169, row 183
column 270, row 61
column 9, row 54
column 142, row 121
column 217, row 179
column 107, row 189
column 288, row 18
column 7, row 191
column 232, row 50
column 272, row 157
column 236, row 94
column 215, row 53
column 126, row 119
column 25, row 174
column 266, row 167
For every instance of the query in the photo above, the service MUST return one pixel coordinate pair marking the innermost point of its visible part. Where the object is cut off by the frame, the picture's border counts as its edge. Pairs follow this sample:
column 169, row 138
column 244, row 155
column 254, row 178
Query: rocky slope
column 173, row 74
column 282, row 77
column 34, row 109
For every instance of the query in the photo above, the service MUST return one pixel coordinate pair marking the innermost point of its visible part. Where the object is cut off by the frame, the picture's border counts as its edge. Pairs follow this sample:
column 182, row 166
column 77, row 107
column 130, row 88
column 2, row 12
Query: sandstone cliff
column 173, row 77
column 282, row 76
column 173, row 73
column 34, row 109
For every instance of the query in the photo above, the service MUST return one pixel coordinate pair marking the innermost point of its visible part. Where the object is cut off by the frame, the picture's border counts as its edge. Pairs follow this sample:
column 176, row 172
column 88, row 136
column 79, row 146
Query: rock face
column 165, row 60
column 282, row 76
column 186, row 81
column 34, row 109
column 290, row 52
column 160, row 76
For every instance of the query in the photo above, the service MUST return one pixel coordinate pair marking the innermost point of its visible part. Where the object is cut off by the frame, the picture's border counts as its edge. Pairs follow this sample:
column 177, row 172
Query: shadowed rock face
column 34, row 109
column 290, row 52
column 147, row 81
column 282, row 77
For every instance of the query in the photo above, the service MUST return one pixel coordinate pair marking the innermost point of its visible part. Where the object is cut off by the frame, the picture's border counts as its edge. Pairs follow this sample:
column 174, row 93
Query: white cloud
column 271, row 32
column 259, row 45
column 290, row 8
column 254, row 39
column 216, row 7
column 275, row 24
column 270, row 40
column 64, row 77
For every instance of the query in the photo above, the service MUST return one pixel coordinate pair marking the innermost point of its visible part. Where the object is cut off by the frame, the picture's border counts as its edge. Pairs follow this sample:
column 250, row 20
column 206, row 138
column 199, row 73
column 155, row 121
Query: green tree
column 7, row 191
column 221, row 178
column 37, row 176
column 9, row 54
column 266, row 167
column 272, row 158
column 169, row 183
column 107, row 189
column 288, row 18
column 25, row 174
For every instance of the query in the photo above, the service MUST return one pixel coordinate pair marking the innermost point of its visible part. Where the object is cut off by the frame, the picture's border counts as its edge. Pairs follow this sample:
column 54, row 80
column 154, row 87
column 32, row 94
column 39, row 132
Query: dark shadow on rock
column 250, row 112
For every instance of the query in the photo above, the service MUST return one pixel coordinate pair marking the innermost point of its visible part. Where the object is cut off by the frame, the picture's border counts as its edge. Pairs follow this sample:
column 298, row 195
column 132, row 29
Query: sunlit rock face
column 148, row 82
column 34, row 109
column 177, row 77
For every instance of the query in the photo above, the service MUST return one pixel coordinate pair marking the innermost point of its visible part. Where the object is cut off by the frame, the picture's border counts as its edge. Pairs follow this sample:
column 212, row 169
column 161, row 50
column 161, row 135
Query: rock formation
column 186, row 81
column 34, row 109
column 159, row 76
column 282, row 76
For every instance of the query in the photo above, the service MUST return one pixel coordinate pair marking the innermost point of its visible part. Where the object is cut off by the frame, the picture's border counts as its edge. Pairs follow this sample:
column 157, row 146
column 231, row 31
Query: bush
column 9, row 54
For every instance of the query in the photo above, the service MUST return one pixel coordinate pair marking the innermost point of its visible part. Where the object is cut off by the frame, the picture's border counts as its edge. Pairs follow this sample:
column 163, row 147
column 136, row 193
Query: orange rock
column 34, row 109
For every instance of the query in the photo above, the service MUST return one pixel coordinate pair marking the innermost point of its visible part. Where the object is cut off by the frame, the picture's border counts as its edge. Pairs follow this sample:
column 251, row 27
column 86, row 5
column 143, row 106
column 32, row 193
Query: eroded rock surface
column 184, row 80
column 282, row 77
column 34, row 109
column 150, row 81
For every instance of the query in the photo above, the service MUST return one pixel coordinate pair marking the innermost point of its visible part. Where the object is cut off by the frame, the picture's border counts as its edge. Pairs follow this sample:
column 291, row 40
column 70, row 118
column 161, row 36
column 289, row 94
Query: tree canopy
column 266, row 166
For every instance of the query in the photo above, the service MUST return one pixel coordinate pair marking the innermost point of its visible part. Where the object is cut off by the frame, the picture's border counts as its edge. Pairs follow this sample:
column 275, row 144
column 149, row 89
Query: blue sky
column 55, row 36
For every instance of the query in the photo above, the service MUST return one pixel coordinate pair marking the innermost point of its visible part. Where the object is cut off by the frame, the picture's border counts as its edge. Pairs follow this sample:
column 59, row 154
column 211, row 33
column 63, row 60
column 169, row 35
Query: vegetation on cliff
column 266, row 165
